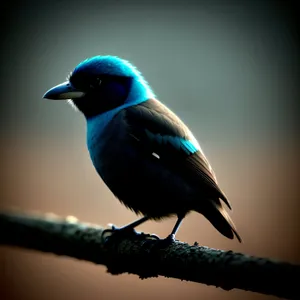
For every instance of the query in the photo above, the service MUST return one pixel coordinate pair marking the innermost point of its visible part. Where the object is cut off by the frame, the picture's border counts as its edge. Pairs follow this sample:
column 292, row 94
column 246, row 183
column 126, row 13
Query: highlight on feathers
column 113, row 65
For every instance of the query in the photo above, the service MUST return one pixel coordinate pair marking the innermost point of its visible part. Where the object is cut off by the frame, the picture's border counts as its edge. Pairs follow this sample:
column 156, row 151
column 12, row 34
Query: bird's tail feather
column 220, row 219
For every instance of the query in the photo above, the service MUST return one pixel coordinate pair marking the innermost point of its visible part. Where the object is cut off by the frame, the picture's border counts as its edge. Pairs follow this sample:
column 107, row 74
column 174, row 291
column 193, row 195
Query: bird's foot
column 166, row 242
column 150, row 236
column 126, row 231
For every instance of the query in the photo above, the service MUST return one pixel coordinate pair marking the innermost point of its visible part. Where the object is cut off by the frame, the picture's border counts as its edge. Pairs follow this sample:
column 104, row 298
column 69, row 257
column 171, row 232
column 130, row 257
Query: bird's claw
column 150, row 236
column 166, row 242
column 116, row 230
column 170, row 239
column 127, row 231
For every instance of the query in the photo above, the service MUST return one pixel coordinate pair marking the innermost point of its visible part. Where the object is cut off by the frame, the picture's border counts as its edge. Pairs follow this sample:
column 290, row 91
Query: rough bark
column 147, row 257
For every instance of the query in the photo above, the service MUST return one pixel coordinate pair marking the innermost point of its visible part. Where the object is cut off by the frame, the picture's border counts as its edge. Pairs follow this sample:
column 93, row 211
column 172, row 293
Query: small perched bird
column 143, row 152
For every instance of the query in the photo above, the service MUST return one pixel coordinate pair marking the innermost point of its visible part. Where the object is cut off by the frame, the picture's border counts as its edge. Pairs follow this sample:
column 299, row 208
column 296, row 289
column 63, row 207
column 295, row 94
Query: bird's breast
column 105, row 140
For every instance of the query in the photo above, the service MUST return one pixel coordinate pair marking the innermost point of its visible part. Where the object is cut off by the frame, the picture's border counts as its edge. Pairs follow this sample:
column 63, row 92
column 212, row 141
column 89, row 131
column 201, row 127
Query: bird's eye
column 96, row 83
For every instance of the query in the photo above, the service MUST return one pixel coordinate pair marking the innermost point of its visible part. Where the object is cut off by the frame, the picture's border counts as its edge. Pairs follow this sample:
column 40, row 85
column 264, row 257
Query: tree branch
column 144, row 256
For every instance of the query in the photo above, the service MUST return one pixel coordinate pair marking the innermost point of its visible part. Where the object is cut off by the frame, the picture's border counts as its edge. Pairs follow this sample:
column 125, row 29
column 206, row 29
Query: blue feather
column 159, row 138
column 96, row 125
column 177, row 142
column 113, row 65
column 188, row 146
column 150, row 135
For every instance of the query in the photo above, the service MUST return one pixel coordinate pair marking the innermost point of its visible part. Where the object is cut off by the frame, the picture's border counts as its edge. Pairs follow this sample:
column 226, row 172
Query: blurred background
column 229, row 69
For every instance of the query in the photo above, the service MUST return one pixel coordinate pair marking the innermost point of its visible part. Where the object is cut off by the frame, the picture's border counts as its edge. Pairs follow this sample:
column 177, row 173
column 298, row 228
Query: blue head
column 102, row 83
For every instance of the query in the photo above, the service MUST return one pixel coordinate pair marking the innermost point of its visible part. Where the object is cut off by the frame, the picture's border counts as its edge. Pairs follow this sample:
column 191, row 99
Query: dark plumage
column 143, row 152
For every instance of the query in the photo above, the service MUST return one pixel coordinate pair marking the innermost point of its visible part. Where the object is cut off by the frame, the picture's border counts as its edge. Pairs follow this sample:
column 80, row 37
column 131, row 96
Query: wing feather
column 157, row 129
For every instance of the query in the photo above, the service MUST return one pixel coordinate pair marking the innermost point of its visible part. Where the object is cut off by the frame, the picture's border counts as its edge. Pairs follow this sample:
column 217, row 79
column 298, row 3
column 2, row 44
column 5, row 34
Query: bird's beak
column 63, row 91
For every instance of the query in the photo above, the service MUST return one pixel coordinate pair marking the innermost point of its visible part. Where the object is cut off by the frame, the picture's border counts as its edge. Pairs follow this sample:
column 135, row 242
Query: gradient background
column 229, row 69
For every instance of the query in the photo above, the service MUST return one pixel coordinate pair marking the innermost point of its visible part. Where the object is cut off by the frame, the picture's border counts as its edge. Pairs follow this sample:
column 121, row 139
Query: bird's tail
column 220, row 219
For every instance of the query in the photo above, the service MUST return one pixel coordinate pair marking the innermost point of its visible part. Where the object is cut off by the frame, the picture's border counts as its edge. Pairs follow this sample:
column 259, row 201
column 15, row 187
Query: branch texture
column 144, row 256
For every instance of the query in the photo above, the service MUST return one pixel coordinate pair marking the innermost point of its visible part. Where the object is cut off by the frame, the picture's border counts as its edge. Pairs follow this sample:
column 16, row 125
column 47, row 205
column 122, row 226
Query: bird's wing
column 160, row 133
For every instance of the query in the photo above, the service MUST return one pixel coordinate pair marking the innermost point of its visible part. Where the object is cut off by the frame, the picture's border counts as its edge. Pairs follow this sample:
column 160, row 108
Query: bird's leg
column 129, row 228
column 176, row 226
column 171, row 237
column 132, row 225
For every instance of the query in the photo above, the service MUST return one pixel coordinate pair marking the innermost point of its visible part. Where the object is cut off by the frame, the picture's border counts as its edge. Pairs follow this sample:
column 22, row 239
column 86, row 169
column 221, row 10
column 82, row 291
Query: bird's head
column 100, row 84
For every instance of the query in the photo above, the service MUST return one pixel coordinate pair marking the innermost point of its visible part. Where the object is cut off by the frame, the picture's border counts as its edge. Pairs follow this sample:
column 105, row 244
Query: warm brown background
column 230, row 71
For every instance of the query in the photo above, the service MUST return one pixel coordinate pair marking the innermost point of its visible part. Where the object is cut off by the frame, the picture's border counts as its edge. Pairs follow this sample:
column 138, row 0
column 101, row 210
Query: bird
column 144, row 153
